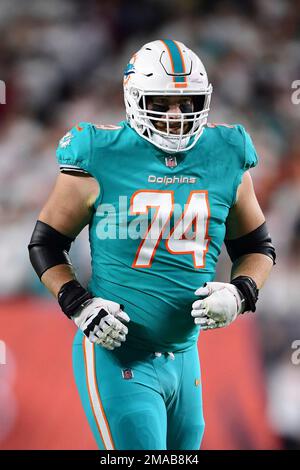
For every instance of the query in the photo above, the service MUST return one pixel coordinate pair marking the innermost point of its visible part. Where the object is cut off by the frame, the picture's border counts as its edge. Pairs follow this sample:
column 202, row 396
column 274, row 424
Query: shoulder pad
column 236, row 136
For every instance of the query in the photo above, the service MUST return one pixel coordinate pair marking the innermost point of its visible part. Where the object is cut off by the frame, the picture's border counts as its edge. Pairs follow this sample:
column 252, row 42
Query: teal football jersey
column 159, row 221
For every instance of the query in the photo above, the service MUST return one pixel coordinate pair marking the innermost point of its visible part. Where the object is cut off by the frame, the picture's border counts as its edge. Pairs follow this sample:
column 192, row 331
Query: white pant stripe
column 94, row 395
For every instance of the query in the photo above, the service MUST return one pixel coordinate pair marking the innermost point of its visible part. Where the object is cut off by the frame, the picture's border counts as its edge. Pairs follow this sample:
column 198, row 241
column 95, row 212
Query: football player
column 160, row 191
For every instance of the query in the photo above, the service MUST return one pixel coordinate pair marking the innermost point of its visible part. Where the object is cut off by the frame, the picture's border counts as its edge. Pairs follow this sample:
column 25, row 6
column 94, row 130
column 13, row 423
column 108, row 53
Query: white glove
column 220, row 306
column 102, row 322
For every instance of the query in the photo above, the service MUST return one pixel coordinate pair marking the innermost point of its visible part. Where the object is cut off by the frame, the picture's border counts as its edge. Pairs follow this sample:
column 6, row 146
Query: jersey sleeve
column 250, row 155
column 74, row 151
column 247, row 156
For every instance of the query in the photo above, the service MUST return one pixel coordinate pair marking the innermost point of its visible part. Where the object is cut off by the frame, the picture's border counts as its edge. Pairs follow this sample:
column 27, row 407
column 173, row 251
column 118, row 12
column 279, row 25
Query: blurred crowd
column 62, row 62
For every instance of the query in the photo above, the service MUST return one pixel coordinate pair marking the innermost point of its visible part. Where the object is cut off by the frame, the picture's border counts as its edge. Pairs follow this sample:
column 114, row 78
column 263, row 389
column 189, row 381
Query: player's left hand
column 221, row 303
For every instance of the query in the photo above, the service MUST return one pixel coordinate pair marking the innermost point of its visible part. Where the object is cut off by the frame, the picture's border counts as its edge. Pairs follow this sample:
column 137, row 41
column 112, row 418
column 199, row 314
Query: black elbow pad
column 48, row 248
column 257, row 241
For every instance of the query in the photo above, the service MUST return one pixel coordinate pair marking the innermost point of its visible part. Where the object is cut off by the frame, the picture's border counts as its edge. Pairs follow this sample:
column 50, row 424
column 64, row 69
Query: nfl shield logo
column 170, row 161
column 127, row 374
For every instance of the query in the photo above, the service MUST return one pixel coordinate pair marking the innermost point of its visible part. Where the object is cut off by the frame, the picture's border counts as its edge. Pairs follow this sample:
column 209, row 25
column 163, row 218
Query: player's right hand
column 102, row 322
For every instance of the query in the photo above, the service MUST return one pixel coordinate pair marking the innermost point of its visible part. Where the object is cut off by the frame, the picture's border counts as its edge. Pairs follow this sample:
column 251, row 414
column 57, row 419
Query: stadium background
column 62, row 62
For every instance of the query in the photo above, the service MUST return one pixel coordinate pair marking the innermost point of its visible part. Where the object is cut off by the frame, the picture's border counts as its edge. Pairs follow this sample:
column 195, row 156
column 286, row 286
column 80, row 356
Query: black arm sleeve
column 48, row 248
column 257, row 241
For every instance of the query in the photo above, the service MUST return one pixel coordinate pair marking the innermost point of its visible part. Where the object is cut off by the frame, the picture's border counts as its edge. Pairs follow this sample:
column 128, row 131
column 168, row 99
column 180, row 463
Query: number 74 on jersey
column 195, row 216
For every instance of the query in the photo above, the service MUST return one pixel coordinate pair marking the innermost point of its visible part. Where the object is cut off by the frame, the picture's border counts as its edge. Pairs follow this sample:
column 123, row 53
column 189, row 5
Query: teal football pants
column 134, row 399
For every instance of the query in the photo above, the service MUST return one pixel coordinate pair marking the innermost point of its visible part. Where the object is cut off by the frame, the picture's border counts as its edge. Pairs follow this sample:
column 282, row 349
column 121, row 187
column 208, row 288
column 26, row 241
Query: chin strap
column 169, row 142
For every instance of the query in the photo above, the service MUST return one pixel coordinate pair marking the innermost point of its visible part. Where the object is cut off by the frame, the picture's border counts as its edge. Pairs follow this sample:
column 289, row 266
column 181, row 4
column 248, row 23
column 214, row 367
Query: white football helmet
column 166, row 68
